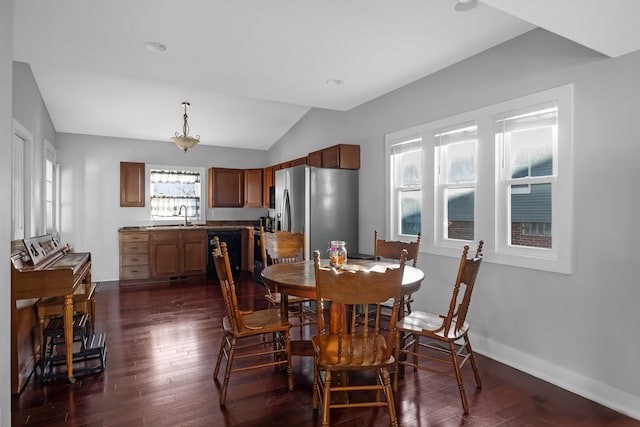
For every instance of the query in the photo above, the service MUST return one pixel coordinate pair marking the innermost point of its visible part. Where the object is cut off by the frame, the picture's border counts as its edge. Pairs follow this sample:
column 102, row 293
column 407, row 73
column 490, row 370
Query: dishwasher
column 233, row 239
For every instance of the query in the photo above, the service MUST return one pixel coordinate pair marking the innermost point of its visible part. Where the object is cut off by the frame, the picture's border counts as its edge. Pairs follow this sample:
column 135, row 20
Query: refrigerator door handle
column 286, row 211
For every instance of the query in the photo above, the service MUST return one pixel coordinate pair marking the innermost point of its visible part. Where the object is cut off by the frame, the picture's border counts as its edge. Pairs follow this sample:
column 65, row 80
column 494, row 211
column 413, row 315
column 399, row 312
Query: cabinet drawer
column 134, row 237
column 132, row 259
column 165, row 236
column 134, row 248
column 131, row 272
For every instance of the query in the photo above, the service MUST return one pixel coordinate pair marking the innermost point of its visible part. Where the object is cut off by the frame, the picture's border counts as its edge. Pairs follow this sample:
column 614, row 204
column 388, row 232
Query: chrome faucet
column 185, row 214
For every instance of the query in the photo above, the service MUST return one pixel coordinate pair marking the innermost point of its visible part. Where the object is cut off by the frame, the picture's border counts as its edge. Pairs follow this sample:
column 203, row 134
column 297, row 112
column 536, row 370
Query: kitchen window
column 501, row 173
column 172, row 188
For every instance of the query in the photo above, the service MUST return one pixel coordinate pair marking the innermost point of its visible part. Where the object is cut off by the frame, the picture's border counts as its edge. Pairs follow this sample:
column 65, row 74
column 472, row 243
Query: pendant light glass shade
column 185, row 141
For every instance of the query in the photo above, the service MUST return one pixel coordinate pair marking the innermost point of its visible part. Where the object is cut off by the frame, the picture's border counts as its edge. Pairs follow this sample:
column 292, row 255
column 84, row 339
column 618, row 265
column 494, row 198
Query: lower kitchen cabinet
column 175, row 253
column 134, row 255
column 194, row 251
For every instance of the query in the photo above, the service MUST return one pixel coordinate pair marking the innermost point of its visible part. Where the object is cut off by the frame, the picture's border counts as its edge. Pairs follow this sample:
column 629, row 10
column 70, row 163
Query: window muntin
column 406, row 165
column 456, row 157
column 169, row 189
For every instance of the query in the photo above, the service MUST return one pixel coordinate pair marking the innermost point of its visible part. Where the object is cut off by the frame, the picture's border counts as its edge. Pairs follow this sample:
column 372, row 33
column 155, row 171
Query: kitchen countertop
column 208, row 226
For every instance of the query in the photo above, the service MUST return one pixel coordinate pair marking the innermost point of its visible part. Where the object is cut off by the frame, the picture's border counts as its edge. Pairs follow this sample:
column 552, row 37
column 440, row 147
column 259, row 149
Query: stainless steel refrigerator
column 320, row 202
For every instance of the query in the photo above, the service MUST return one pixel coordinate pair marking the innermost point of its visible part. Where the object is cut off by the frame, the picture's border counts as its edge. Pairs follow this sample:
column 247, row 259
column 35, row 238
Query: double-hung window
column 405, row 168
column 528, row 145
column 456, row 175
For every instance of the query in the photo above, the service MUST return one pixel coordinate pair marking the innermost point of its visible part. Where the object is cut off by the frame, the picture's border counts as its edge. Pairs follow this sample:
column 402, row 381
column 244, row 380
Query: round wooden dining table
column 298, row 278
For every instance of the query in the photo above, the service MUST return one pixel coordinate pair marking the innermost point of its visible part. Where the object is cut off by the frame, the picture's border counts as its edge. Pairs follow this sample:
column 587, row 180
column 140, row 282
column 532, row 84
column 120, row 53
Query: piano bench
column 92, row 347
column 83, row 302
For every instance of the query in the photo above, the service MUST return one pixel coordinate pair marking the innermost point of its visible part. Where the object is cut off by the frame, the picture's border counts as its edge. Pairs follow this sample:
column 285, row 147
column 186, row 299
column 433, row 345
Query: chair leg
column 396, row 367
column 287, row 344
column 326, row 399
column 389, row 395
column 474, row 366
column 227, row 372
column 456, row 366
column 316, row 390
column 416, row 349
column 222, row 344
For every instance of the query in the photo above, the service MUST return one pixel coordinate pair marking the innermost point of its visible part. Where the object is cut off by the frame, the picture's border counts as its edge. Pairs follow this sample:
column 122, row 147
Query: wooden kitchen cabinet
column 253, row 188
column 194, row 251
column 131, row 184
column 134, row 255
column 341, row 156
column 267, row 182
column 226, row 188
column 298, row 162
column 176, row 253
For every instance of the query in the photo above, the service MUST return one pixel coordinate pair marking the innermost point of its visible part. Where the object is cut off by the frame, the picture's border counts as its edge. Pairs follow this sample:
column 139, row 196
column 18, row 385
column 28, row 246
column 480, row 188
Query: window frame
column 490, row 202
column 50, row 155
column 172, row 219
column 441, row 186
column 393, row 193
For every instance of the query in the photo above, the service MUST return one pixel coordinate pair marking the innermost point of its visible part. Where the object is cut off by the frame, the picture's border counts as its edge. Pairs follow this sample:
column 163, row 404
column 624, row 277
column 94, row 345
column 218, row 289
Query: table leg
column 67, row 315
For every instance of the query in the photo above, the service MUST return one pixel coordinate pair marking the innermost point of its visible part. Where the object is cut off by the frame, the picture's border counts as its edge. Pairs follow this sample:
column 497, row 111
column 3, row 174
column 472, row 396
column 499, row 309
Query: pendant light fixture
column 185, row 141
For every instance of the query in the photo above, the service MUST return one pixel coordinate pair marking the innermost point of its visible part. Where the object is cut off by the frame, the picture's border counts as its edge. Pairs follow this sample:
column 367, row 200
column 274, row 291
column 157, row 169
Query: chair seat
column 421, row 322
column 267, row 320
column 366, row 351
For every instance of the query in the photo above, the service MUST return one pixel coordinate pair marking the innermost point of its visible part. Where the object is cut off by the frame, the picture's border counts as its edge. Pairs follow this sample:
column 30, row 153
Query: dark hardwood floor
column 162, row 343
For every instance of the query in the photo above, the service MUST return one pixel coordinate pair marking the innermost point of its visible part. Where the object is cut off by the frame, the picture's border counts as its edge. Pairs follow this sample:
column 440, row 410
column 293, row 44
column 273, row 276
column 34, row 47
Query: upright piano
column 42, row 267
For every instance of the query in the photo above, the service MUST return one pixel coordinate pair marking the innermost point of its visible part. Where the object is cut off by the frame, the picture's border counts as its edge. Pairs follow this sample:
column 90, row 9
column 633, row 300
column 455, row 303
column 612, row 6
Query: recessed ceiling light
column 464, row 5
column 334, row 82
column 155, row 47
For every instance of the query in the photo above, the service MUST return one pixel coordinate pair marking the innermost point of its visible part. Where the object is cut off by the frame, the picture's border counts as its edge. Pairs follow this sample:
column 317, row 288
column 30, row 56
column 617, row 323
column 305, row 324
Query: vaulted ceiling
column 252, row 68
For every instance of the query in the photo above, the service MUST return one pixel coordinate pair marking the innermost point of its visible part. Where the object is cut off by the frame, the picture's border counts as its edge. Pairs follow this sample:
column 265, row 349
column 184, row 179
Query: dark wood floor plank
column 162, row 343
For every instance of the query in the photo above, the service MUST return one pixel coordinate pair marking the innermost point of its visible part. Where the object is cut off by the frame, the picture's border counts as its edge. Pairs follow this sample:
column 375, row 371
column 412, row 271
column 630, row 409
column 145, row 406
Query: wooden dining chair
column 345, row 345
column 389, row 250
column 244, row 326
column 282, row 247
column 443, row 334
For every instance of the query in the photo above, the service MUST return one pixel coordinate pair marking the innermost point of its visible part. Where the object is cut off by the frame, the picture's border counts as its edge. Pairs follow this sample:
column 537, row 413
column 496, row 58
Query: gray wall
column 31, row 113
column 6, row 132
column 577, row 331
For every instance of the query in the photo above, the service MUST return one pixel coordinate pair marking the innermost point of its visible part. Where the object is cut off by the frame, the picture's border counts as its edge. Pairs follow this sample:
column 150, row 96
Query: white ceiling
column 252, row 68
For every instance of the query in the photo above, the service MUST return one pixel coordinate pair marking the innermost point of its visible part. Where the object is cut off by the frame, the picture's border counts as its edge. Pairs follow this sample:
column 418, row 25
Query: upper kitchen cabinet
column 253, row 188
column 131, row 184
column 341, row 156
column 297, row 162
column 267, row 183
column 226, row 188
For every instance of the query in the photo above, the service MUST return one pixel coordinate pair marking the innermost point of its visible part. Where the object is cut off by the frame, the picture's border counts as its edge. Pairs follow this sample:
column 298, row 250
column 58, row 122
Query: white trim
column 614, row 398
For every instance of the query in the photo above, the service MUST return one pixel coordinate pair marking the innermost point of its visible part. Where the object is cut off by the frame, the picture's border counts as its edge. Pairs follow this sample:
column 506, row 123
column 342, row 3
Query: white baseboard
column 613, row 398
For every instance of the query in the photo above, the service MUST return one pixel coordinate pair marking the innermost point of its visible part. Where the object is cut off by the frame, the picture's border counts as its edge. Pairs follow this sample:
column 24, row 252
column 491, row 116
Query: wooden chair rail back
column 225, row 277
column 350, row 294
column 459, row 304
column 390, row 249
column 282, row 246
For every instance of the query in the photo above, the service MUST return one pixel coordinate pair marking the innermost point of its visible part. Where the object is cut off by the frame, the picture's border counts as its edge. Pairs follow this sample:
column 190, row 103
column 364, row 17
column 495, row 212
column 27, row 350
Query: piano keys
column 42, row 267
